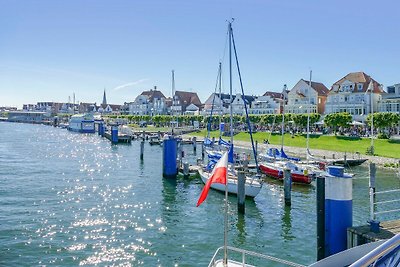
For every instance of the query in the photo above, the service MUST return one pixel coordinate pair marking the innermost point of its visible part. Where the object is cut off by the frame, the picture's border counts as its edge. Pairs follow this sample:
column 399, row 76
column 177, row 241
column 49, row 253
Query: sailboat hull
column 252, row 187
column 274, row 171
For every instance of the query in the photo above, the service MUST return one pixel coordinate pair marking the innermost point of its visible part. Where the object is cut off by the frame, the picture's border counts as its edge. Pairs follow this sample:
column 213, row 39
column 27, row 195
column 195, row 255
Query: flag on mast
column 218, row 175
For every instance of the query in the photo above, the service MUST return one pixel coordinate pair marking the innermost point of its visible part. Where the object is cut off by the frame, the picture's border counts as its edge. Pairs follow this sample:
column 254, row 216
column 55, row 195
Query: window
column 360, row 87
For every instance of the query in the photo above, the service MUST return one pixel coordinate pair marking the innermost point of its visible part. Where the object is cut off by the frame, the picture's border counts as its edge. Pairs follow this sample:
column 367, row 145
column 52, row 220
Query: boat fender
column 280, row 173
column 305, row 172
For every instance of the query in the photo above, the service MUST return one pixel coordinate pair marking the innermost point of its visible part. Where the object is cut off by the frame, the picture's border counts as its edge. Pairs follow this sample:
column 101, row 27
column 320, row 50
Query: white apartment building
column 265, row 104
column 304, row 98
column 351, row 94
column 150, row 102
column 390, row 102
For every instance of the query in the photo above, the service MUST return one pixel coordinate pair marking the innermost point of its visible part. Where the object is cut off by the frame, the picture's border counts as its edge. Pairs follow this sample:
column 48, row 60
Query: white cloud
column 123, row 86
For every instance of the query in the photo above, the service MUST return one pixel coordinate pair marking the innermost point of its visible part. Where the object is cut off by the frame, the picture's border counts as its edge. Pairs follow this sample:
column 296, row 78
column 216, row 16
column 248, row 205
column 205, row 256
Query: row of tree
column 334, row 120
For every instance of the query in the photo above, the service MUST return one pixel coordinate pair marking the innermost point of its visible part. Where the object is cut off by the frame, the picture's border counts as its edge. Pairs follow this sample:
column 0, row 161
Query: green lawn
column 385, row 148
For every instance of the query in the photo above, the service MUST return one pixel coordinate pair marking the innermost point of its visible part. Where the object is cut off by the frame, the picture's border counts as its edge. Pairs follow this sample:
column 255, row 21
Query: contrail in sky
column 129, row 84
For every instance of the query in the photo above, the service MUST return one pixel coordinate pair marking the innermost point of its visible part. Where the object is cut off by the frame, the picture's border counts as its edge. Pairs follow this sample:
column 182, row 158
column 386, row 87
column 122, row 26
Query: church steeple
column 104, row 98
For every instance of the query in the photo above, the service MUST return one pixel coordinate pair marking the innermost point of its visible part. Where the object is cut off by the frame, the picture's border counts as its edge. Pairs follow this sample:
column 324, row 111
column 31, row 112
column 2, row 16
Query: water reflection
column 240, row 226
column 287, row 224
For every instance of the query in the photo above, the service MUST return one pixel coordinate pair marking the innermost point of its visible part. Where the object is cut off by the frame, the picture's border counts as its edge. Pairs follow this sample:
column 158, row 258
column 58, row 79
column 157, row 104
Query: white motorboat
column 82, row 123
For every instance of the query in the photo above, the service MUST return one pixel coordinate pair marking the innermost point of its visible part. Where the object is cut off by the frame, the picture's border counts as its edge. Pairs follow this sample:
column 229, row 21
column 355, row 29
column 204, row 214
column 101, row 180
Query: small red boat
column 300, row 174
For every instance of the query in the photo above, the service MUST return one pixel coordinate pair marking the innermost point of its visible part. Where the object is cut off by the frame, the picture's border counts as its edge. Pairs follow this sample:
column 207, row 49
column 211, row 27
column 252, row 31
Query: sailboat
column 276, row 161
column 253, row 182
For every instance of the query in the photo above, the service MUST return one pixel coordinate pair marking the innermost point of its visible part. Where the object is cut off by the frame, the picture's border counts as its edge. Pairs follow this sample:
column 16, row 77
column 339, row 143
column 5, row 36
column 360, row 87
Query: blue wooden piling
column 338, row 209
column 114, row 134
column 170, row 149
column 99, row 126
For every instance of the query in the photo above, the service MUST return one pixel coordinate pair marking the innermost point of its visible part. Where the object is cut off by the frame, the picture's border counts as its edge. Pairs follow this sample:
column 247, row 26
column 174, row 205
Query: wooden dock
column 362, row 234
column 122, row 138
column 193, row 169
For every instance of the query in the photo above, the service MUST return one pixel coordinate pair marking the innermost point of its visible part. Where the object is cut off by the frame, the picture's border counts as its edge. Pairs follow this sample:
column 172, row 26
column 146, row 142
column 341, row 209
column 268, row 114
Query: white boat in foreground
column 252, row 184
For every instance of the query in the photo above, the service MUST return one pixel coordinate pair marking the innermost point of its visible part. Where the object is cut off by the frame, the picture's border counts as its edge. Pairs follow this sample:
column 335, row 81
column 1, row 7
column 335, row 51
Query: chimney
column 155, row 87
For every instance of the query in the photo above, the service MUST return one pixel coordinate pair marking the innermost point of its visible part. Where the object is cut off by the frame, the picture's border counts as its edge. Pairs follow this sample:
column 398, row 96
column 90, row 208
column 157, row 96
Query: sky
column 52, row 49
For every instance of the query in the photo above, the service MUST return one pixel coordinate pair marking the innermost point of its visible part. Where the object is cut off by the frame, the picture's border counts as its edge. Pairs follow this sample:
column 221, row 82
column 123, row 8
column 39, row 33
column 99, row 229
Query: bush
column 383, row 136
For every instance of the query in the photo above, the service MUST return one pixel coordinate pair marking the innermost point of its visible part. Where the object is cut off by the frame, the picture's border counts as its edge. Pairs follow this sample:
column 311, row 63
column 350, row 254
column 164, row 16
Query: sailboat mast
column 220, row 99
column 230, row 81
column 308, row 113
column 231, row 130
column 173, row 98
column 283, row 116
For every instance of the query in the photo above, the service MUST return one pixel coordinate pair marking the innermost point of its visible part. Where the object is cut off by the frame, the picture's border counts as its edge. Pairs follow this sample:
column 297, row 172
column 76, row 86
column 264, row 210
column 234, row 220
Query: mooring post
column 287, row 187
column 320, row 218
column 194, row 141
column 338, row 209
column 180, row 154
column 103, row 130
column 141, row 150
column 99, row 128
column 202, row 151
column 345, row 159
column 114, row 134
column 186, row 169
column 241, row 191
column 170, row 168
column 373, row 223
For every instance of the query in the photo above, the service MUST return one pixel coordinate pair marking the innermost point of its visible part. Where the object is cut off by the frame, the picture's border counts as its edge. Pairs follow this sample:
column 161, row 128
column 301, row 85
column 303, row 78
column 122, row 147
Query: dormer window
column 360, row 87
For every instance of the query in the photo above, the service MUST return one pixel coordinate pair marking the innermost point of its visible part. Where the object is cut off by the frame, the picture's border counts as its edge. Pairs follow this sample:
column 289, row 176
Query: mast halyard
column 308, row 113
column 173, row 99
column 283, row 117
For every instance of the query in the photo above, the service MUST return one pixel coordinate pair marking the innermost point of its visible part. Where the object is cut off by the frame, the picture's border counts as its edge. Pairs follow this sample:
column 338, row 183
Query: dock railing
column 245, row 254
column 374, row 204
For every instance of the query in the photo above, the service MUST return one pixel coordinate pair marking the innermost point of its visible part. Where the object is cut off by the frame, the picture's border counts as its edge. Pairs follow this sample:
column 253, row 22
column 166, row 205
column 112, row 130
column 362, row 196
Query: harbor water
column 69, row 199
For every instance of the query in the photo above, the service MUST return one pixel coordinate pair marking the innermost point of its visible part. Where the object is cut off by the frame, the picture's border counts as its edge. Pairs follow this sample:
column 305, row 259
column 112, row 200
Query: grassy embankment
column 383, row 147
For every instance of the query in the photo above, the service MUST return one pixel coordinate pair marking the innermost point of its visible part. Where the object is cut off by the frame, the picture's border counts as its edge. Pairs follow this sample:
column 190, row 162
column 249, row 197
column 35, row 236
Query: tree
column 384, row 119
column 342, row 119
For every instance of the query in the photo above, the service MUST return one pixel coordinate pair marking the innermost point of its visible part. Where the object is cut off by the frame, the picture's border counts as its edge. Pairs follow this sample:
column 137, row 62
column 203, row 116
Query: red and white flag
column 218, row 175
